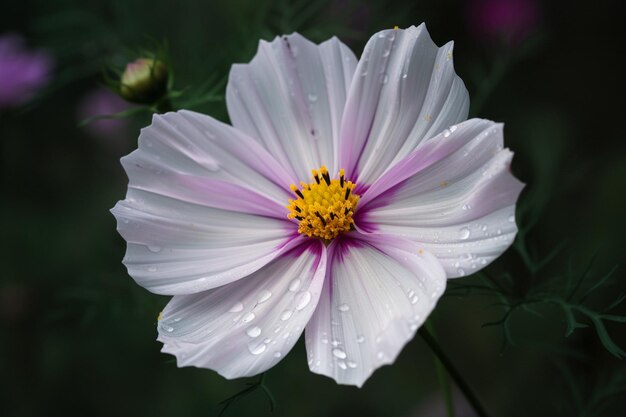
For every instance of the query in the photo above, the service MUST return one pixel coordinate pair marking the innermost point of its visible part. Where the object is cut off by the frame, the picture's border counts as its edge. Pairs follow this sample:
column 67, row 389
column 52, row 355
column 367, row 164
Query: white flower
column 358, row 253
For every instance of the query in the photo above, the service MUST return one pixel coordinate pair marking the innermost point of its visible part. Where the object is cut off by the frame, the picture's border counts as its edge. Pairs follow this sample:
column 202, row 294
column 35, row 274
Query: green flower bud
column 144, row 81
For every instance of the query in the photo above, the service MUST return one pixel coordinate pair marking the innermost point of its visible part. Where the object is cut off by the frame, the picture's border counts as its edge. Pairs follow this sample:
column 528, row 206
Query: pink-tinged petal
column 455, row 197
column 246, row 327
column 193, row 223
column 291, row 97
column 404, row 91
column 175, row 247
column 378, row 291
column 190, row 144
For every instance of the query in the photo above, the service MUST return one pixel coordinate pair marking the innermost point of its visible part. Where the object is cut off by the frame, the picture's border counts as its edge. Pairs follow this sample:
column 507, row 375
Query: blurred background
column 539, row 333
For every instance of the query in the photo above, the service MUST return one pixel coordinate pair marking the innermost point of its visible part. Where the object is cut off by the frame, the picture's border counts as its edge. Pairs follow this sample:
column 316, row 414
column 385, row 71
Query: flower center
column 324, row 207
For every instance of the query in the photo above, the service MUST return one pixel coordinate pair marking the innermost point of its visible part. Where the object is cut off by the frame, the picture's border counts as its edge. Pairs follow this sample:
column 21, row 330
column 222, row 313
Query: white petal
column 378, row 291
column 291, row 97
column 205, row 205
column 246, row 327
column 455, row 196
column 192, row 146
column 404, row 91
column 176, row 247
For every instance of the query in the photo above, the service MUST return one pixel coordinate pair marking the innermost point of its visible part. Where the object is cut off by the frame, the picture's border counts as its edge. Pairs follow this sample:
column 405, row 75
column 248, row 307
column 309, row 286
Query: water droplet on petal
column 342, row 365
column 351, row 364
column 464, row 233
column 302, row 300
column 343, row 307
column 236, row 308
column 460, row 271
column 339, row 353
column 360, row 339
column 154, row 249
column 152, row 269
column 254, row 331
column 264, row 296
column 168, row 329
column 512, row 219
column 285, row 315
column 312, row 97
column 294, row 285
column 248, row 317
column 257, row 349
column 278, row 355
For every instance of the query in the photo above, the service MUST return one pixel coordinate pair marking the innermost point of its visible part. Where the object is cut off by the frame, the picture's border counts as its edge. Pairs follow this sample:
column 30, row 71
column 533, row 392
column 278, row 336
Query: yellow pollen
column 325, row 206
column 160, row 316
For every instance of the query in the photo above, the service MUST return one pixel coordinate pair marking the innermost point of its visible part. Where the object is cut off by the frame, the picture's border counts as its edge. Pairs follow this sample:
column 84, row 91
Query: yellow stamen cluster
column 324, row 207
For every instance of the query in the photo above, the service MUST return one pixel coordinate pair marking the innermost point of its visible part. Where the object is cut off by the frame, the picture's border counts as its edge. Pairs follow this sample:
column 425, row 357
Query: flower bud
column 144, row 81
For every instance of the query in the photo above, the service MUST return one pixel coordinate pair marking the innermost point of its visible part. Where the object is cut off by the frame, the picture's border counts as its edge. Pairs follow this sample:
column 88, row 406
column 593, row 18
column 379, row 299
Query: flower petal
column 176, row 247
column 196, row 146
column 455, row 196
column 405, row 91
column 378, row 291
column 192, row 223
column 291, row 97
column 246, row 327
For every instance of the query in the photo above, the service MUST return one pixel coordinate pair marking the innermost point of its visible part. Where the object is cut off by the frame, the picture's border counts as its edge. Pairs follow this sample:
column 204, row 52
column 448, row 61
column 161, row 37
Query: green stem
column 452, row 371
column 444, row 382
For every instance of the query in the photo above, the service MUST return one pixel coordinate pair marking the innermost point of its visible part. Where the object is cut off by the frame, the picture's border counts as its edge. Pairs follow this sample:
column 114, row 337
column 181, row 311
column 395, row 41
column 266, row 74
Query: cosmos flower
column 22, row 72
column 339, row 202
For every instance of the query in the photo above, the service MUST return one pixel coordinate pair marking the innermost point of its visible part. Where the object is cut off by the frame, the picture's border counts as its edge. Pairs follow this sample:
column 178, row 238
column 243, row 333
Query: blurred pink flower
column 509, row 20
column 103, row 102
column 22, row 71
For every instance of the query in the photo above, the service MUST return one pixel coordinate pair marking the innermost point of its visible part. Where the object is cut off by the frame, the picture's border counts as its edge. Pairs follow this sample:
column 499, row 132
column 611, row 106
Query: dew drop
column 446, row 133
column 155, row 249
column 236, row 308
column 466, row 207
column 152, row 269
column 257, row 349
column 286, row 315
column 248, row 317
column 380, row 355
column 414, row 299
column 464, row 233
column 360, row 339
column 312, row 97
column 264, row 296
column 452, row 128
column 512, row 219
column 405, row 75
column 168, row 329
column 351, row 364
column 343, row 307
column 278, row 355
column 339, row 353
column 302, row 300
column 385, row 79
column 342, row 365
column 254, row 331
column 294, row 285
column 460, row 271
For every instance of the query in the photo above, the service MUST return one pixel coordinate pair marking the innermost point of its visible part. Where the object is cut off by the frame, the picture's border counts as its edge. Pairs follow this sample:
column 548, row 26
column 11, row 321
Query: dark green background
column 78, row 336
